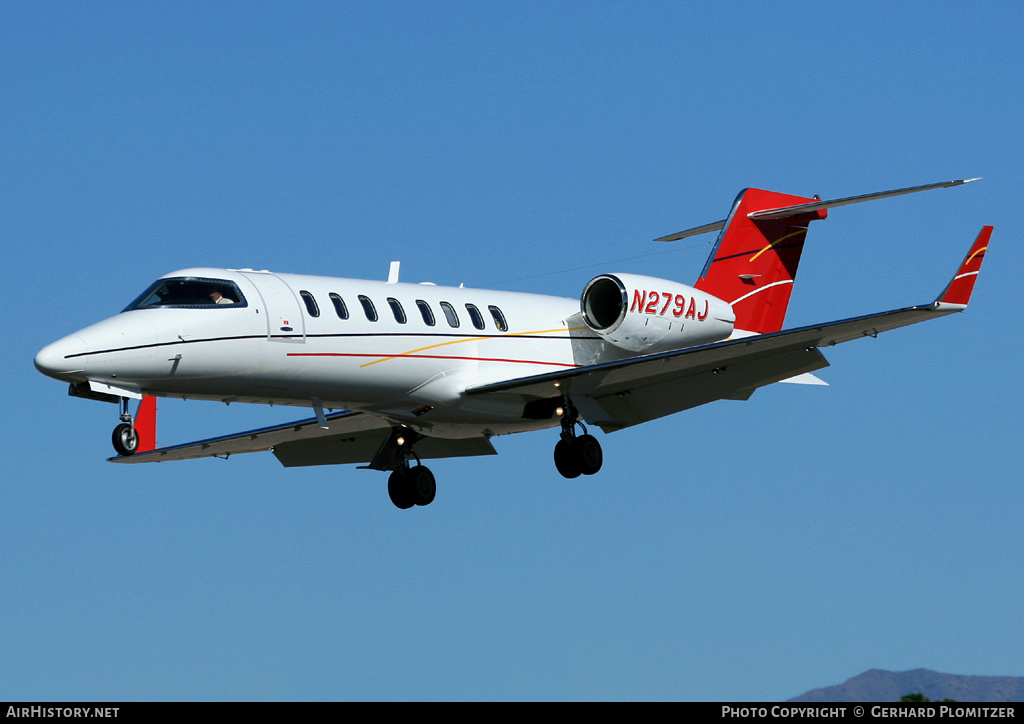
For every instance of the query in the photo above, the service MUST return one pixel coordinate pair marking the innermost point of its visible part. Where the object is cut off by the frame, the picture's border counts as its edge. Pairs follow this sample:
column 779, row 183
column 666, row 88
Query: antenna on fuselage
column 393, row 272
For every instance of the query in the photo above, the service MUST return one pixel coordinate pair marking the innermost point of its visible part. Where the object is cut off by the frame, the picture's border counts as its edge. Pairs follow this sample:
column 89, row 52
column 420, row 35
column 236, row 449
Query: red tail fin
column 145, row 424
column 754, row 261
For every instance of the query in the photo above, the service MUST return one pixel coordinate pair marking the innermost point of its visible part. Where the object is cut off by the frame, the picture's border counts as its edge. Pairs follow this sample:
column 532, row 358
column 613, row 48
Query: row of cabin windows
column 475, row 316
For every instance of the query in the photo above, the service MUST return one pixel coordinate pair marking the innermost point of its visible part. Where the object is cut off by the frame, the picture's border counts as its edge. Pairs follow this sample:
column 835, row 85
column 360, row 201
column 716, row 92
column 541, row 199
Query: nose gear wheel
column 125, row 439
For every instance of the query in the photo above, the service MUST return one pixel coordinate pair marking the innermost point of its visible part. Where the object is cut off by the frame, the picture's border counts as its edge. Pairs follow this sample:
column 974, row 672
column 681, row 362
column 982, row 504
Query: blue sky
column 739, row 551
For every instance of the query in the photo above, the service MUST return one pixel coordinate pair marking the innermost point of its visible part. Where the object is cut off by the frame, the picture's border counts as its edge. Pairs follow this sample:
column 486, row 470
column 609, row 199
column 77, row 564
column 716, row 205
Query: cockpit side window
column 189, row 292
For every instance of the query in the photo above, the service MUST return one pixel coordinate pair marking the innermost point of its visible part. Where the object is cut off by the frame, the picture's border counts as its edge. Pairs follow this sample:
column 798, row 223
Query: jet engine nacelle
column 646, row 314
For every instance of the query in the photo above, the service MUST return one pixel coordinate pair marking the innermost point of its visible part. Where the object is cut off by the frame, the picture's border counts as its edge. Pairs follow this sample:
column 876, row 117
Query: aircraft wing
column 619, row 394
column 350, row 437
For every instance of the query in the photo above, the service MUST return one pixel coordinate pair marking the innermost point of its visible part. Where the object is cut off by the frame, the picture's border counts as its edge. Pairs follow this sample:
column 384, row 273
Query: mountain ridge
column 881, row 685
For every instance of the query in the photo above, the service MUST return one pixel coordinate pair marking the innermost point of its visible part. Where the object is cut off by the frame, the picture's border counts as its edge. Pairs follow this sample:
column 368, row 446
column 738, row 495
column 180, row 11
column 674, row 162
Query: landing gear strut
column 410, row 485
column 125, row 437
column 576, row 455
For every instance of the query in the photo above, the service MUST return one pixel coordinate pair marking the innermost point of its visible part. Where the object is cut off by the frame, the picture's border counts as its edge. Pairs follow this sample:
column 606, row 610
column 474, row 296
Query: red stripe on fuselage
column 429, row 356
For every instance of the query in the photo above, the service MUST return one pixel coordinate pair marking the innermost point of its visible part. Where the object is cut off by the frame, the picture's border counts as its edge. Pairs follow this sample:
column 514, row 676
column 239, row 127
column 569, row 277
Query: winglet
column 958, row 292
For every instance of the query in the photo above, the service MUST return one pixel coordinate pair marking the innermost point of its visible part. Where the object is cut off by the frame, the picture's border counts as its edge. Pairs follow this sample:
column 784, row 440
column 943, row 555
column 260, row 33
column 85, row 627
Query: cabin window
column 368, row 308
column 311, row 306
column 499, row 318
column 339, row 306
column 425, row 312
column 475, row 316
column 396, row 309
column 449, row 314
column 189, row 292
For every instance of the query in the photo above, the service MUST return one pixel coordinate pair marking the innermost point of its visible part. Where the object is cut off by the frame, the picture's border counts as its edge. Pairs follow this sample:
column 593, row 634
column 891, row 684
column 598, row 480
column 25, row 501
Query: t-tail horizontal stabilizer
column 816, row 205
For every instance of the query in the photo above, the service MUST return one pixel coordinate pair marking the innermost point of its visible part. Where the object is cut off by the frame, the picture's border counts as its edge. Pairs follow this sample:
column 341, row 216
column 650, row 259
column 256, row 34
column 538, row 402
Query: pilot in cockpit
column 219, row 298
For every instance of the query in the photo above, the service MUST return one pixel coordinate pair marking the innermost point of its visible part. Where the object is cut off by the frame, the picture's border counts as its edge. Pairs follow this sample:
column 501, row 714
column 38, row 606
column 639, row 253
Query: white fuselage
column 287, row 343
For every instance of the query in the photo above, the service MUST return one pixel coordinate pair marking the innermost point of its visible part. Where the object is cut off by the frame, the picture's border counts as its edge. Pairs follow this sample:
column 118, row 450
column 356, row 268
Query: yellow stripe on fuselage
column 471, row 339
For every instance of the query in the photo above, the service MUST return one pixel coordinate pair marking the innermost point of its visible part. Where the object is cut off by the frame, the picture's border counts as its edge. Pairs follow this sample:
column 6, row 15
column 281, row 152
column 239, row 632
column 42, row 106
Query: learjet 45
column 396, row 373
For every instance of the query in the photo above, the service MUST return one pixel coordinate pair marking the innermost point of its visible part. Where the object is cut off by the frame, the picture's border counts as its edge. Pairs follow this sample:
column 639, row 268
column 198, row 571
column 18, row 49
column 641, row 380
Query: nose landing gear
column 125, row 437
column 576, row 455
column 139, row 433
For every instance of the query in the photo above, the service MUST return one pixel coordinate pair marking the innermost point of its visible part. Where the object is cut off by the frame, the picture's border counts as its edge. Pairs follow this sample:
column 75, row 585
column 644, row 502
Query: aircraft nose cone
column 53, row 359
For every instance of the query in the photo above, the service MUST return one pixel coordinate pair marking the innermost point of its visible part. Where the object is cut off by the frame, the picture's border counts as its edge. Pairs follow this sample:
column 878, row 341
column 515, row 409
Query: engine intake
column 646, row 314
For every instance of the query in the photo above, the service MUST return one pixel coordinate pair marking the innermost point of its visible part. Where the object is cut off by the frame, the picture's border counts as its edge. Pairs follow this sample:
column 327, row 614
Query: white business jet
column 396, row 373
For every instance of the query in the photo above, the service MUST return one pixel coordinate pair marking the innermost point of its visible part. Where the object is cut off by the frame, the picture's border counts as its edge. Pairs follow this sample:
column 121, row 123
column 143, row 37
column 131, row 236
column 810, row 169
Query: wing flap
column 340, row 424
column 732, row 382
column 363, row 448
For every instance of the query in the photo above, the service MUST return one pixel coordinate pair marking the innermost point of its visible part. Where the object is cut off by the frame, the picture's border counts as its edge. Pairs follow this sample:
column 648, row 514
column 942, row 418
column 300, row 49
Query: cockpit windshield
column 189, row 292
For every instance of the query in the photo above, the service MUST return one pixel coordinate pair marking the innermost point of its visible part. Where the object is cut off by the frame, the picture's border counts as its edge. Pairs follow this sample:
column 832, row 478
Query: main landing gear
column 408, row 485
column 125, row 437
column 576, row 455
